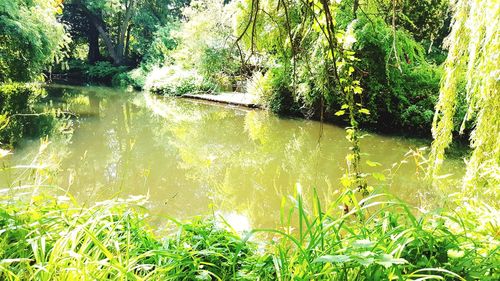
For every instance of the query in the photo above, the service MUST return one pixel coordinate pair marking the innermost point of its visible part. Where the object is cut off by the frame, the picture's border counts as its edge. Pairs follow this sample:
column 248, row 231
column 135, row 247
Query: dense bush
column 17, row 103
column 176, row 81
column 281, row 101
column 402, row 92
column 135, row 78
column 103, row 71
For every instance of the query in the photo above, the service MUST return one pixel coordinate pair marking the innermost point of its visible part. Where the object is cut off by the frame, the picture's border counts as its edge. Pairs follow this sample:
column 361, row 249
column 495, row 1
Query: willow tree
column 474, row 53
column 31, row 38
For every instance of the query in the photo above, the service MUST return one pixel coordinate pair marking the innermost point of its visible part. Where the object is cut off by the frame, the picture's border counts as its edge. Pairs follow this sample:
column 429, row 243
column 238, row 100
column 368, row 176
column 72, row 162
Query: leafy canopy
column 31, row 38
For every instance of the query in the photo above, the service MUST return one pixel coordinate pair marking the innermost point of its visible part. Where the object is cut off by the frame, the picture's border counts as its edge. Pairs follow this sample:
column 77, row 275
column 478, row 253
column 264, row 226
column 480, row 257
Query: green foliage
column 30, row 38
column 425, row 19
column 206, row 41
column 218, row 62
column 135, row 78
column 17, row 103
column 175, row 81
column 474, row 50
column 401, row 91
column 381, row 239
column 158, row 52
column 151, row 28
column 281, row 101
column 102, row 71
column 111, row 241
column 400, row 80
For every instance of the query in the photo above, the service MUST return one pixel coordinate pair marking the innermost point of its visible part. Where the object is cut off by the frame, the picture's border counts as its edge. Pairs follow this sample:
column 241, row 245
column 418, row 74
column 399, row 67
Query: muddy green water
column 194, row 158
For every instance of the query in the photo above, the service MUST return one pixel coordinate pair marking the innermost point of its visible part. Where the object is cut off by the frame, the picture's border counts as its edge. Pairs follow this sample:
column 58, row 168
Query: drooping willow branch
column 474, row 49
column 319, row 13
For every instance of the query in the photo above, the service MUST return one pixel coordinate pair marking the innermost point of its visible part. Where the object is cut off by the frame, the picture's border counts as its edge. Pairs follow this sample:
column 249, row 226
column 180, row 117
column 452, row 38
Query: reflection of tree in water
column 187, row 155
column 242, row 160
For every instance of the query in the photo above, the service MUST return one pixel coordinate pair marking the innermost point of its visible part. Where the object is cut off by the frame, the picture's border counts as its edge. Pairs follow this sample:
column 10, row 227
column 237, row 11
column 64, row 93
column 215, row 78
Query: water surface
column 194, row 158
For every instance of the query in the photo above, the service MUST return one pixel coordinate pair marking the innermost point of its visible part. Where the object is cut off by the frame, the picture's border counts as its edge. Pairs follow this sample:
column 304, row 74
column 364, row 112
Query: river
column 195, row 158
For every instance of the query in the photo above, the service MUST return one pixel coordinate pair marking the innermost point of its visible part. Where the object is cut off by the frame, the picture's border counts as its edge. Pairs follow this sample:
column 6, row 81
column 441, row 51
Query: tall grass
column 381, row 239
column 56, row 240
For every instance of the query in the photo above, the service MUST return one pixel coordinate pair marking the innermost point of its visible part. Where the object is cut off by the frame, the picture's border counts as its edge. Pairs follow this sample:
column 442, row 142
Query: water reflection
column 195, row 158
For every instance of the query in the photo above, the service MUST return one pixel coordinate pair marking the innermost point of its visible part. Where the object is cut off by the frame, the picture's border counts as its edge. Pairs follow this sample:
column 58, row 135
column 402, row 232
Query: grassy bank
column 55, row 239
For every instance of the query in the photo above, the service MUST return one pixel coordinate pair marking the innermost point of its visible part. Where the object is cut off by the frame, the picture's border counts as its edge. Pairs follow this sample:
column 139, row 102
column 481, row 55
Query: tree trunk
column 124, row 27
column 94, row 54
column 116, row 56
column 100, row 26
column 355, row 8
column 127, row 41
column 117, row 53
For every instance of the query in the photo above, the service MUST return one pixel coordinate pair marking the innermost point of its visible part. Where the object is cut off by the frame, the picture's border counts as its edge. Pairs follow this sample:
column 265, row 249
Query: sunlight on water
column 237, row 222
column 188, row 155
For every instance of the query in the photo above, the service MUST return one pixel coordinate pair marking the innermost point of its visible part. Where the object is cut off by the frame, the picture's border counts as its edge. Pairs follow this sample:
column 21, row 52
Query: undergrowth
column 382, row 239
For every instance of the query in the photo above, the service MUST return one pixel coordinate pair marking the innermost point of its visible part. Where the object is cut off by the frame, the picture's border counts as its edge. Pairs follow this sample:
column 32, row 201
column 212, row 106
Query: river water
column 196, row 158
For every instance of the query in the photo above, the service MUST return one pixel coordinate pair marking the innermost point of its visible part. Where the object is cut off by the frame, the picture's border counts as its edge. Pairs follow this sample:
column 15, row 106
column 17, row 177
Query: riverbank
column 54, row 239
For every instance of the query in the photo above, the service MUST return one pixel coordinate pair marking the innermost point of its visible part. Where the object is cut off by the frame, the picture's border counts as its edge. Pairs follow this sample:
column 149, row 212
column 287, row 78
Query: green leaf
column 364, row 111
column 388, row 260
column 340, row 113
column 351, row 70
column 365, row 243
column 333, row 258
column 379, row 176
column 365, row 258
column 372, row 164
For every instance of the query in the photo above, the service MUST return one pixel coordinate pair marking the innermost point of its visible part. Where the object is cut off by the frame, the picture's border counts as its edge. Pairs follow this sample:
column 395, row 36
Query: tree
column 31, row 38
column 105, row 14
column 115, row 22
column 80, row 29
column 474, row 49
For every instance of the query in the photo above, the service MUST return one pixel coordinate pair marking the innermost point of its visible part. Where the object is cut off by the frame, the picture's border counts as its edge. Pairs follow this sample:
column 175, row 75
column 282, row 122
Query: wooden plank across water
column 232, row 98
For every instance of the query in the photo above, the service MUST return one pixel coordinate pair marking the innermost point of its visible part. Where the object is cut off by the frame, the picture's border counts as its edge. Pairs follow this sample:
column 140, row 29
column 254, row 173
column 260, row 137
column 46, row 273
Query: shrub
column 281, row 101
column 135, row 78
column 176, row 81
column 400, row 94
column 103, row 71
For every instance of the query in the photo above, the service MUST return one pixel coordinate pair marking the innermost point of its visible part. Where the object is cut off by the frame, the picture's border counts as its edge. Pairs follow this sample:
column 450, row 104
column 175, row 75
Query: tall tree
column 80, row 29
column 116, row 21
column 111, row 19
